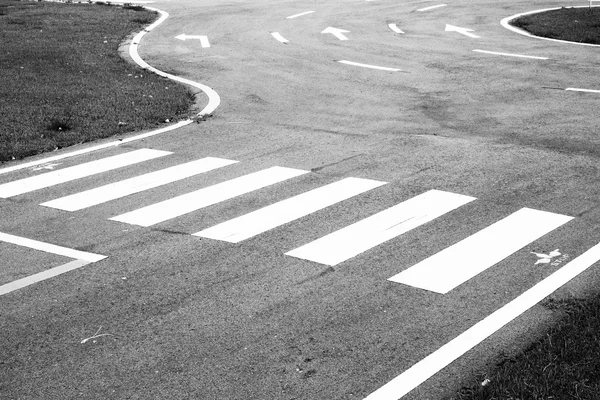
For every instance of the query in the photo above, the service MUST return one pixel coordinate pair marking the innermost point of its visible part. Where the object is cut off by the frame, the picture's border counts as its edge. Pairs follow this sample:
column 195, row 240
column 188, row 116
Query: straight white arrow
column 336, row 32
column 463, row 31
column 203, row 39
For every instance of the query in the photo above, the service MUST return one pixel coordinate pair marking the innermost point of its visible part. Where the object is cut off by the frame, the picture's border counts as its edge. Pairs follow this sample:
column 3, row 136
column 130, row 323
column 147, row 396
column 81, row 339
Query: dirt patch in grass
column 564, row 364
column 63, row 81
column 581, row 25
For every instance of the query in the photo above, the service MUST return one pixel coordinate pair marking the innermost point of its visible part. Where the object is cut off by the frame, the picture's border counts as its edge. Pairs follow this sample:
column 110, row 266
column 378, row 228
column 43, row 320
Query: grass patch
column 63, row 81
column 580, row 25
column 564, row 364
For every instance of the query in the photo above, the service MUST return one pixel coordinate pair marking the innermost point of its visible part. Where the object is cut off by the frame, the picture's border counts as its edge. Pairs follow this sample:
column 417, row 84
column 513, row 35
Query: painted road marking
column 430, row 365
column 280, row 38
column 379, row 228
column 205, row 197
column 48, row 179
column 203, row 39
column 582, row 90
column 299, row 15
column 462, row 31
column 136, row 184
column 369, row 66
column 510, row 55
column 395, row 28
column 460, row 262
column 432, row 7
column 81, row 258
column 338, row 33
column 288, row 210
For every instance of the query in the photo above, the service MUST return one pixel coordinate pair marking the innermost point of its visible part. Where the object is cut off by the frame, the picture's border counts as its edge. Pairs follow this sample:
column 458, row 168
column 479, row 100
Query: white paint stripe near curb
column 117, row 190
column 280, row 38
column 509, row 54
column 395, row 28
column 462, row 261
column 506, row 23
column 432, row 7
column 50, row 248
column 94, row 148
column 205, row 197
column 299, row 15
column 41, row 276
column 369, row 66
column 582, row 90
column 430, row 365
column 213, row 97
column 254, row 223
column 361, row 236
column 48, row 179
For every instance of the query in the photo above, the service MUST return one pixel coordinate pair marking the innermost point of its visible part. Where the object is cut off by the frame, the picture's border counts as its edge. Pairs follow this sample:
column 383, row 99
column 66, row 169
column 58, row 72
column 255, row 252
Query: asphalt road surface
column 361, row 197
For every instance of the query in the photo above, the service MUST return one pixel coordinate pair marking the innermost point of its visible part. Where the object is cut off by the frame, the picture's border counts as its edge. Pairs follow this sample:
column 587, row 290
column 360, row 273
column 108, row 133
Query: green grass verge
column 564, row 364
column 63, row 81
column 580, row 25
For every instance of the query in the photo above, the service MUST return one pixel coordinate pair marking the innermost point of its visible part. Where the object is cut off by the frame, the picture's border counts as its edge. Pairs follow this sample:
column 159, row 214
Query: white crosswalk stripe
column 277, row 214
column 136, row 184
column 184, row 204
column 460, row 262
column 49, row 179
column 379, row 228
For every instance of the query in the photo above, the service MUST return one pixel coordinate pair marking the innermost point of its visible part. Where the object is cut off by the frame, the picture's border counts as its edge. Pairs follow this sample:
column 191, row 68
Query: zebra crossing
column 440, row 273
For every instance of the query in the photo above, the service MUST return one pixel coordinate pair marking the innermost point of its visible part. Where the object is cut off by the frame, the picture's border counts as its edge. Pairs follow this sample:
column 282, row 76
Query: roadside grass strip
column 64, row 82
column 430, row 365
column 576, row 25
column 81, row 258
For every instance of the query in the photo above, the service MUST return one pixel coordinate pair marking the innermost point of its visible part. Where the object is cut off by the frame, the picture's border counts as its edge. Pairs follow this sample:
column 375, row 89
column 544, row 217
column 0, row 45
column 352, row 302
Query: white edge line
column 299, row 15
column 430, row 365
column 368, row 66
column 280, row 38
column 582, row 90
column 214, row 101
column 432, row 7
column 50, row 248
column 41, row 276
column 510, row 54
column 506, row 23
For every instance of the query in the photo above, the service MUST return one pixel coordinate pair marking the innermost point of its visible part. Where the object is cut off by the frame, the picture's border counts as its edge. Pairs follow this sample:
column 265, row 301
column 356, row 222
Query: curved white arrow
column 203, row 39
column 336, row 32
column 463, row 31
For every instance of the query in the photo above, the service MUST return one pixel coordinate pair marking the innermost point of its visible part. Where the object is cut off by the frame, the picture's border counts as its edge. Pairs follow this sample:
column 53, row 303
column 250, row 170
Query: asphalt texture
column 183, row 317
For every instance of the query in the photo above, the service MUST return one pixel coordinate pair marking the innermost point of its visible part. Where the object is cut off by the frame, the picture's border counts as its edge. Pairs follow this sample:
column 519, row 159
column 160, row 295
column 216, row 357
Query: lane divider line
column 582, row 90
column 430, row 365
column 369, row 66
column 299, row 15
column 509, row 54
column 213, row 103
column 432, row 7
column 280, row 38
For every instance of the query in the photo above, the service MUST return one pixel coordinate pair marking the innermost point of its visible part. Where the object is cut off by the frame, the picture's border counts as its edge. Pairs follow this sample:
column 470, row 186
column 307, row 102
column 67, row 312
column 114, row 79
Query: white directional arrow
column 203, row 39
column 336, row 32
column 463, row 31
